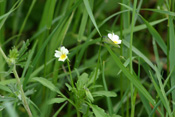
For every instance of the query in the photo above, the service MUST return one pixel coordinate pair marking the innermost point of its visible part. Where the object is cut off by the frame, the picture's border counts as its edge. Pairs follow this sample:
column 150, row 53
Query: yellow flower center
column 63, row 56
column 115, row 42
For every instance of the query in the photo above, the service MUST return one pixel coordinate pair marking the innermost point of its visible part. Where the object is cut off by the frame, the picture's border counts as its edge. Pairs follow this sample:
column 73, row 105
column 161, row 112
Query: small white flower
column 114, row 38
column 62, row 54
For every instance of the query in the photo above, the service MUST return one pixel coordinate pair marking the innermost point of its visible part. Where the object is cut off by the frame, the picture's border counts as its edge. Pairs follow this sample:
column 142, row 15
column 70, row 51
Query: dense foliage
column 103, row 58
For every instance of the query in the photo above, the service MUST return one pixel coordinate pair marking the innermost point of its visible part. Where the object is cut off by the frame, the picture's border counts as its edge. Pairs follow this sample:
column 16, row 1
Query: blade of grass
column 58, row 111
column 156, row 36
column 172, row 54
column 82, row 25
column 15, row 6
column 153, row 32
column 159, row 102
column 130, row 56
column 28, row 60
column 10, row 110
column 161, row 94
column 142, row 26
column 109, row 103
column 88, row 8
column 131, row 77
column 156, row 55
column 161, row 11
column 25, row 20
column 46, row 20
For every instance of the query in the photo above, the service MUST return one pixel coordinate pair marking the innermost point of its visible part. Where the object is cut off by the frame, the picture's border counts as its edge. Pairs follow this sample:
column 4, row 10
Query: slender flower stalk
column 70, row 73
column 23, row 97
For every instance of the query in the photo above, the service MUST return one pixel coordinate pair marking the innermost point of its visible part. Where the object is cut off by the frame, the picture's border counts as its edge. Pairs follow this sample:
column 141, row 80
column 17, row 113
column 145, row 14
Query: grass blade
column 172, row 54
column 131, row 77
column 88, row 8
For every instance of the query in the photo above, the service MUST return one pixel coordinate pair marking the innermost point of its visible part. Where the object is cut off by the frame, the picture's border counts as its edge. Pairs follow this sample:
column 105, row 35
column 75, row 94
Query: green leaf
column 46, row 83
column 29, row 60
column 140, row 54
column 82, row 81
column 161, row 94
column 99, row 112
column 159, row 102
column 56, row 100
column 89, row 95
column 92, row 76
column 68, row 86
column 161, row 11
column 172, row 54
column 156, row 36
column 58, row 111
column 4, row 88
column 24, row 48
column 82, row 25
column 88, row 8
column 104, row 93
column 131, row 77
column 142, row 26
column 10, row 109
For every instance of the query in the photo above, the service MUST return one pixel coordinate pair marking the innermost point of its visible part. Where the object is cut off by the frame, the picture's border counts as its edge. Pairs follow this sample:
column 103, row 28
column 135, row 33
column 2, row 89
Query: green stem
column 130, row 53
column 19, row 84
column 70, row 73
column 78, row 114
column 109, row 104
column 23, row 97
column 3, row 54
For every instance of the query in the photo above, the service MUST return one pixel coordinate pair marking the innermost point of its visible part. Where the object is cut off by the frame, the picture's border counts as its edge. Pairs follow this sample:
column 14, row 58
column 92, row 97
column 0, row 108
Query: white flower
column 114, row 38
column 62, row 54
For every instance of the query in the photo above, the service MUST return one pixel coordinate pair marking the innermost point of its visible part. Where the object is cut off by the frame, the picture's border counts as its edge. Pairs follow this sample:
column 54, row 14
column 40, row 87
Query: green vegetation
column 87, row 58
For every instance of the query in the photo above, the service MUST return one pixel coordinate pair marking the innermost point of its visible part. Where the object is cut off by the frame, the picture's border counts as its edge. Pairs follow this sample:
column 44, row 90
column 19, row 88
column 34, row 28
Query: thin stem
column 23, row 97
column 70, row 73
column 78, row 114
column 19, row 84
column 109, row 104
column 130, row 53
column 3, row 54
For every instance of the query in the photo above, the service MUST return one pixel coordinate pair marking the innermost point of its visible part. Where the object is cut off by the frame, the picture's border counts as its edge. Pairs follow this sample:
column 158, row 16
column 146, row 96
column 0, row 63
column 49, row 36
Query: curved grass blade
column 156, row 36
column 161, row 11
column 159, row 102
column 88, row 8
column 172, row 54
column 131, row 77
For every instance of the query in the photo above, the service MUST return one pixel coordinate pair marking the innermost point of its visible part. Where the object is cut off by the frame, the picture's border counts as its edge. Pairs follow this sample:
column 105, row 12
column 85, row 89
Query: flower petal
column 119, row 41
column 57, row 54
column 115, row 37
column 110, row 35
column 64, row 50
